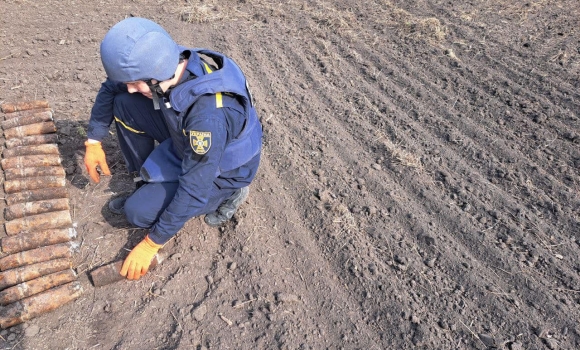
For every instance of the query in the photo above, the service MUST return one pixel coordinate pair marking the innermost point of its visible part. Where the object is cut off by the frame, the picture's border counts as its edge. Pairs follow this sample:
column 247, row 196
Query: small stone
column 418, row 336
column 176, row 256
column 443, row 324
column 539, row 118
column 570, row 135
column 488, row 340
column 450, row 53
column 199, row 312
column 11, row 337
column 287, row 298
column 516, row 346
column 551, row 343
column 31, row 331
column 232, row 266
column 376, row 166
column 401, row 260
column 541, row 331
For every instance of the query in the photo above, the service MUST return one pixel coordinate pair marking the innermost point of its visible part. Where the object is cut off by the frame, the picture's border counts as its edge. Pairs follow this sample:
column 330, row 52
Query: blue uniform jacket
column 214, row 131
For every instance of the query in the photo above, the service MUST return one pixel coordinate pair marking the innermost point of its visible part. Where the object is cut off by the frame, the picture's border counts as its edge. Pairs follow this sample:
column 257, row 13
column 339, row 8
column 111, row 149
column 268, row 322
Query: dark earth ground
column 420, row 184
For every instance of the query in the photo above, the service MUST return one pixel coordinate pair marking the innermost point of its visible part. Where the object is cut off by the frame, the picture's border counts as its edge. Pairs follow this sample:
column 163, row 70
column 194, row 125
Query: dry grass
column 508, row 9
column 325, row 16
column 202, row 13
column 429, row 29
column 399, row 155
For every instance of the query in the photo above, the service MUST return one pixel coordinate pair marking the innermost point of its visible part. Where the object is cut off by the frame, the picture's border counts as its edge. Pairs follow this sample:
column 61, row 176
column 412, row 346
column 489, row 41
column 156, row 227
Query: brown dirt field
column 420, row 183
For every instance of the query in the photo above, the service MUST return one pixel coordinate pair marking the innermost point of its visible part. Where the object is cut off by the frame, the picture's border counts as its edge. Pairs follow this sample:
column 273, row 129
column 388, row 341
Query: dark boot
column 117, row 205
column 228, row 208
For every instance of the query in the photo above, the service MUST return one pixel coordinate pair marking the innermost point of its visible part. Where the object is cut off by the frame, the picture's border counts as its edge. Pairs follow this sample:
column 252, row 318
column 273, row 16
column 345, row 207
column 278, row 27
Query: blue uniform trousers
column 138, row 127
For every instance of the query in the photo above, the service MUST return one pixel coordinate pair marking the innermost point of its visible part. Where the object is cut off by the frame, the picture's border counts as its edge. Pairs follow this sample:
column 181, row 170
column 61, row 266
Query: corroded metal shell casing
column 35, row 286
column 28, row 257
column 19, row 173
column 18, row 275
column 26, row 113
column 31, row 161
column 30, row 129
column 21, row 210
column 36, row 274
column 32, row 240
column 110, row 272
column 39, row 304
column 47, row 148
column 32, row 140
column 36, row 195
column 45, row 221
column 26, row 118
column 33, row 183
column 23, row 106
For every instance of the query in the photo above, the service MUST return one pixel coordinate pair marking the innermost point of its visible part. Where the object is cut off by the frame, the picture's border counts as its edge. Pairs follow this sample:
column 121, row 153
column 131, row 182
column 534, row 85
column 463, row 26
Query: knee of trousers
column 139, row 214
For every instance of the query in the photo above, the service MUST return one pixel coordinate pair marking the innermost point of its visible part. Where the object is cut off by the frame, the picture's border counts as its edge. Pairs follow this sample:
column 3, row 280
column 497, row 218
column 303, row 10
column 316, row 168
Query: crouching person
column 195, row 105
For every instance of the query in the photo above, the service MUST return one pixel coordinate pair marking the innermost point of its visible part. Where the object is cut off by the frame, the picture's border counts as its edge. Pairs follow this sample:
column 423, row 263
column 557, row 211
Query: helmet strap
column 156, row 93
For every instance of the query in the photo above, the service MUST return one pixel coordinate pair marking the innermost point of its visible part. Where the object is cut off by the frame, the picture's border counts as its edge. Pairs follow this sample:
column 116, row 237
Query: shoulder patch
column 200, row 141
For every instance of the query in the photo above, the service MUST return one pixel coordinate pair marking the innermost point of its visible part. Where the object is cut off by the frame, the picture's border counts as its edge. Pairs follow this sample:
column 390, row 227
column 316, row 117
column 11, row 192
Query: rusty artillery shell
column 35, row 286
column 23, row 106
column 110, row 273
column 18, row 275
column 32, row 240
column 48, row 148
column 36, row 195
column 33, row 256
column 31, row 161
column 33, row 183
column 21, row 210
column 30, row 129
column 38, row 304
column 32, row 140
column 26, row 113
column 37, row 116
column 44, row 221
column 18, row 173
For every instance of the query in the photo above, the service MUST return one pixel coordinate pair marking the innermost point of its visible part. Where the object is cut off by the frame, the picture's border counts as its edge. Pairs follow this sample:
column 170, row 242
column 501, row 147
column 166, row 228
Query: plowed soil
column 419, row 189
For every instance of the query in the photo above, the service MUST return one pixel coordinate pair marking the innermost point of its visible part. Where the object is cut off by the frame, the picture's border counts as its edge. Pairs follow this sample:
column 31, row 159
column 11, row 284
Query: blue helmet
column 139, row 49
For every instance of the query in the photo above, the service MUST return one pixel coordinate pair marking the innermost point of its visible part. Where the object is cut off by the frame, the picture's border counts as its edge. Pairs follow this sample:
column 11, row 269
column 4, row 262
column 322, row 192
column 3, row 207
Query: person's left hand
column 139, row 259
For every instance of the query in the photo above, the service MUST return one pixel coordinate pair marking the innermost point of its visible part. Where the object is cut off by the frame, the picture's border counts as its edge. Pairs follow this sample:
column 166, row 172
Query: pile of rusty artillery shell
column 36, row 274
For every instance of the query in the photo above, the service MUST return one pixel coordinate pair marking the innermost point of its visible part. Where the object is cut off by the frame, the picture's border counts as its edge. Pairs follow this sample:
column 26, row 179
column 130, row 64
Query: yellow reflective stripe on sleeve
column 128, row 127
column 218, row 96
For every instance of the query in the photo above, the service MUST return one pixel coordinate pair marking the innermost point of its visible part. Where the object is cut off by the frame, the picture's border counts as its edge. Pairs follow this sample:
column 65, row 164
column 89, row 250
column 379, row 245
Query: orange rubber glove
column 138, row 261
column 95, row 156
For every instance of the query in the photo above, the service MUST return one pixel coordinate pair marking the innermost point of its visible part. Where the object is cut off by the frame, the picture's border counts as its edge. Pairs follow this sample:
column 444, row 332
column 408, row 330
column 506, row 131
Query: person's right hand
column 138, row 261
column 95, row 156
